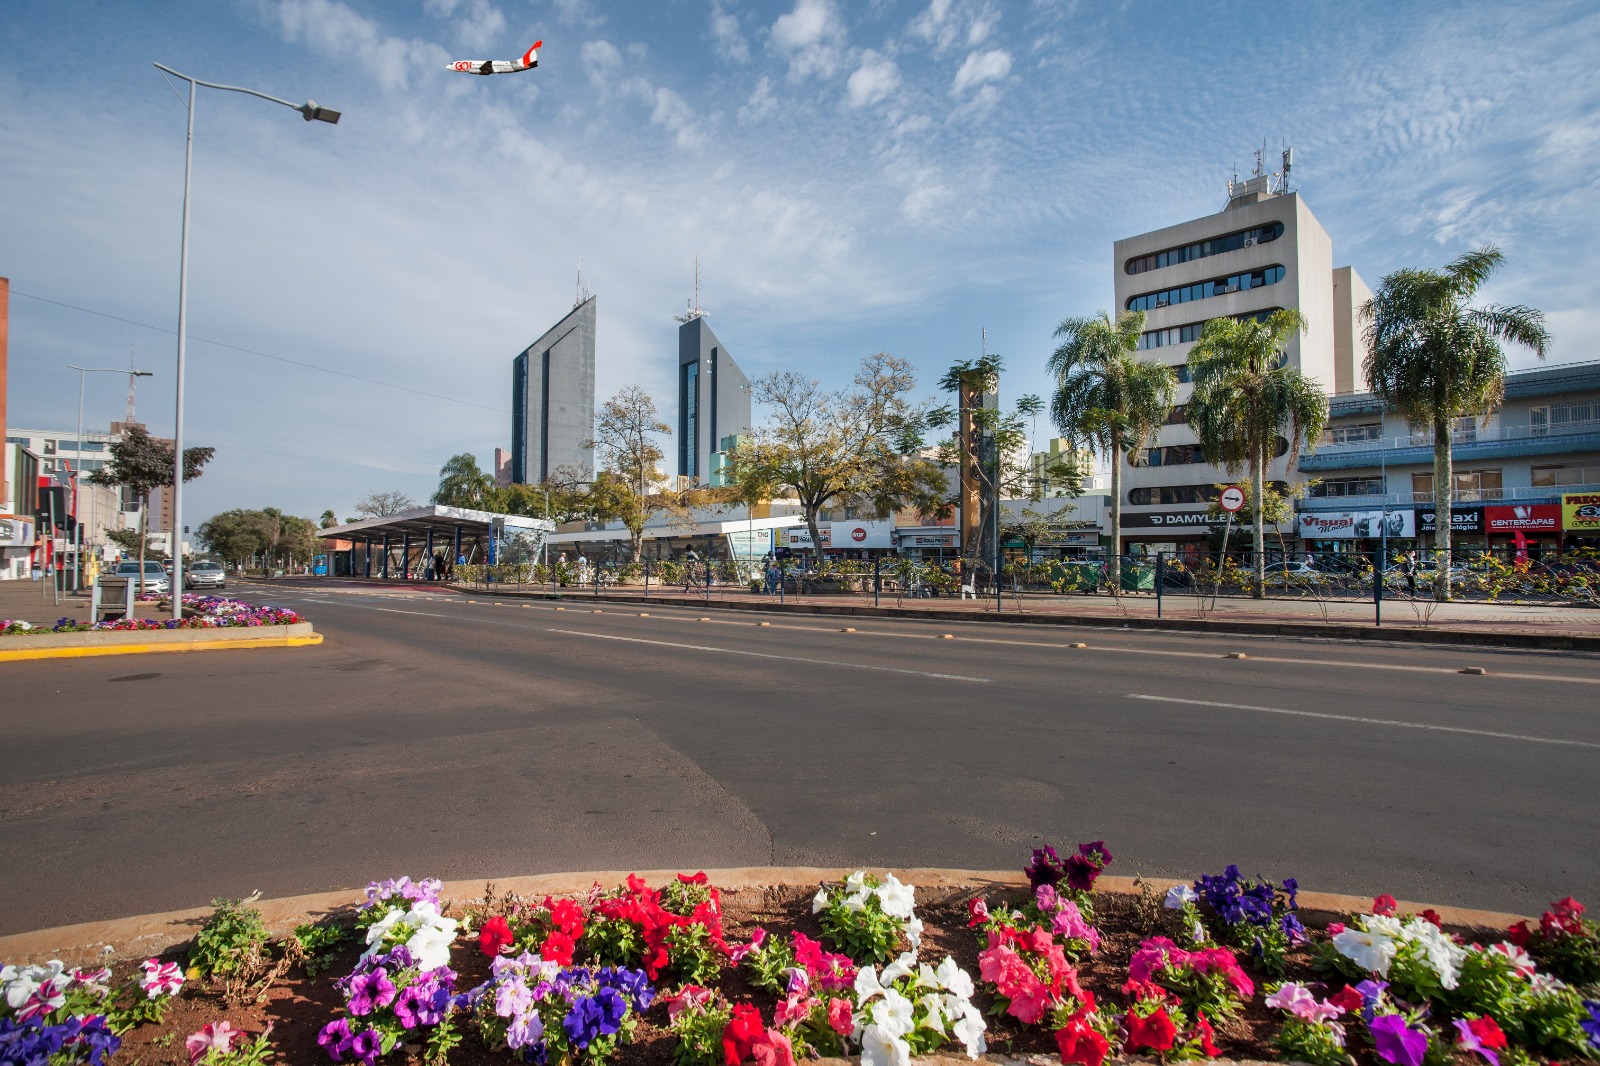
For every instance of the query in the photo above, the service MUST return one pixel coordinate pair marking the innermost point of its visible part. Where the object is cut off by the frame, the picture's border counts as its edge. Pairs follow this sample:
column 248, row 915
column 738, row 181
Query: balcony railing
column 1471, row 435
column 1374, row 501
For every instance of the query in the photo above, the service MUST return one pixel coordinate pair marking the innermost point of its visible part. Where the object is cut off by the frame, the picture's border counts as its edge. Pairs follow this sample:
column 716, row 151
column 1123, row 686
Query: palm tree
column 1246, row 396
column 463, row 484
column 1106, row 398
column 1433, row 359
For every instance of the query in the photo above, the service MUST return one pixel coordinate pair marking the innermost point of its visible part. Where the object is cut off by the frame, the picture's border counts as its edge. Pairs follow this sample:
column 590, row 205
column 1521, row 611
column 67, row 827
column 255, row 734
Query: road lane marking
column 768, row 655
column 1366, row 721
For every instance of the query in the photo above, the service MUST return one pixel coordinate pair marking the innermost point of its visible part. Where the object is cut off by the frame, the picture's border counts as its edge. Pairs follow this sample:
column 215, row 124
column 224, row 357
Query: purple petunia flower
column 1591, row 1025
column 335, row 1039
column 367, row 1046
column 369, row 991
column 1397, row 1042
column 1371, row 991
column 1046, row 867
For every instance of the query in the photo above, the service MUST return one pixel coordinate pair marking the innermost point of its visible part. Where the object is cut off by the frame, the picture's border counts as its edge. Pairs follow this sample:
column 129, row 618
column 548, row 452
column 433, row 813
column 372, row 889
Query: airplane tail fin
column 531, row 56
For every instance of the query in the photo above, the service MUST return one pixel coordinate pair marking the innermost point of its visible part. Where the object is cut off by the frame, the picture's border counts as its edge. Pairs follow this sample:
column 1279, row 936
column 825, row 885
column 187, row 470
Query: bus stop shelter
column 402, row 545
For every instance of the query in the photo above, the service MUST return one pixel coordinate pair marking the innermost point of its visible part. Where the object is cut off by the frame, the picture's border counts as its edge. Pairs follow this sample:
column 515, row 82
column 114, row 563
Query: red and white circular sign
column 858, row 534
column 1232, row 498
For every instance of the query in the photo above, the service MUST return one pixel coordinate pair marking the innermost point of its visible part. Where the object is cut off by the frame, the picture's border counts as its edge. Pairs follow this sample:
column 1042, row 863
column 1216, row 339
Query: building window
column 1178, row 415
column 1471, row 486
column 691, row 419
column 1204, row 290
column 1172, row 494
column 1563, row 417
column 1566, row 474
column 49, row 446
column 1190, row 332
column 1336, row 488
column 1353, row 433
column 1228, row 242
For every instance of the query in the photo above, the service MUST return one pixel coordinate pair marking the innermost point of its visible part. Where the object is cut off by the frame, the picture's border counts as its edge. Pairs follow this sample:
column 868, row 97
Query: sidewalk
column 32, row 601
column 1515, row 625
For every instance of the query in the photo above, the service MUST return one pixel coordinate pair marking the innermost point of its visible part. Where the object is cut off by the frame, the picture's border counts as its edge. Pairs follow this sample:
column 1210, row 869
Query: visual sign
column 1580, row 512
column 1523, row 518
column 1356, row 525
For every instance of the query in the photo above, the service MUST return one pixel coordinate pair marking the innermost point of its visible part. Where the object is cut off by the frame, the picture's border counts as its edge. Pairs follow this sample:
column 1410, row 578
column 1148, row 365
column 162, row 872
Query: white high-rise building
column 1264, row 251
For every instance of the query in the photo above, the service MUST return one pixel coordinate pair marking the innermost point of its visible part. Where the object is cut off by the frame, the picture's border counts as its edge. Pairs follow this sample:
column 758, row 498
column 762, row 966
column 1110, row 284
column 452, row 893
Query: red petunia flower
column 558, row 947
column 1488, row 1032
column 1203, row 1027
column 1348, row 999
column 1384, row 904
column 495, row 936
column 1156, row 1032
column 1520, row 933
column 978, row 912
column 742, row 1030
column 1080, row 1044
column 1432, row 917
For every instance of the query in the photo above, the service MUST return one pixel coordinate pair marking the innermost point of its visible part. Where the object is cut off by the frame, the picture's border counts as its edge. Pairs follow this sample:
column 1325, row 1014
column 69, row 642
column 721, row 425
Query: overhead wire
column 265, row 355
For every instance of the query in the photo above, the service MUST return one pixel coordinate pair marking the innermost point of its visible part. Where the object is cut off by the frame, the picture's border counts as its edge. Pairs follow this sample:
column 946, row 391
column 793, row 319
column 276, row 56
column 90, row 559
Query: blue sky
column 855, row 177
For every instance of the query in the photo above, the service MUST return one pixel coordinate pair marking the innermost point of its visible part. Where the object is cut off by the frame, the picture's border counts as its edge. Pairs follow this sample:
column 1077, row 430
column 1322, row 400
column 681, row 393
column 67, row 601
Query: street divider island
column 770, row 973
column 209, row 623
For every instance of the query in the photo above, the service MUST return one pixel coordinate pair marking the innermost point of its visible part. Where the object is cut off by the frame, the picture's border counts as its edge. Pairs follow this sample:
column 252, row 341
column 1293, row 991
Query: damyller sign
column 1200, row 521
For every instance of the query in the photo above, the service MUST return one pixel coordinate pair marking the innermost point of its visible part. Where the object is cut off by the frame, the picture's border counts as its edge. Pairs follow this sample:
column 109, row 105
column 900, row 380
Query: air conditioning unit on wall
column 1250, row 242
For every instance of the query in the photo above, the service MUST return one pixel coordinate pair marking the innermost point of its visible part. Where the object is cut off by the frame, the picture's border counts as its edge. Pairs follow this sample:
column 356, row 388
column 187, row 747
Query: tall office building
column 713, row 399
column 1264, row 251
column 552, row 400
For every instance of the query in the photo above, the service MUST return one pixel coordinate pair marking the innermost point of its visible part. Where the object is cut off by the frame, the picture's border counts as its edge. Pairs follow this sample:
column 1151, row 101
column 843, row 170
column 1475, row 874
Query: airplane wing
column 529, row 60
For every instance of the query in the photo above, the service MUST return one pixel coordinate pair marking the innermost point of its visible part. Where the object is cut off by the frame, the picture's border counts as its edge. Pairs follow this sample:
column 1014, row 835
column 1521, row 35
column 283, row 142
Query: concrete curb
column 134, row 642
column 1334, row 631
column 150, row 934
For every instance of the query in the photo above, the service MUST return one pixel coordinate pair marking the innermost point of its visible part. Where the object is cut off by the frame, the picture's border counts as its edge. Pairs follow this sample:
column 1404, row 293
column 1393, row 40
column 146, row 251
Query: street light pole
column 77, row 533
column 310, row 110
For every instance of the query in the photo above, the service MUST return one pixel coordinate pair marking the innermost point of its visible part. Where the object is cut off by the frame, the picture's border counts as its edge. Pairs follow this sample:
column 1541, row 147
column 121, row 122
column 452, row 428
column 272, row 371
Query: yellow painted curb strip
column 139, row 649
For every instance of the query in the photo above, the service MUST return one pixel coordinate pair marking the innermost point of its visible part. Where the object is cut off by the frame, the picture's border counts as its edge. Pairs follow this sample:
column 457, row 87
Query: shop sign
column 1462, row 520
column 16, row 532
column 800, row 537
column 1523, row 518
column 862, row 534
column 750, row 542
column 1356, row 525
column 1580, row 512
column 1200, row 521
column 920, row 540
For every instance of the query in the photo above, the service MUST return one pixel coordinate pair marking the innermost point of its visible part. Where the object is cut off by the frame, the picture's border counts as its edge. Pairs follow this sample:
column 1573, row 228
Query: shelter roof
column 440, row 520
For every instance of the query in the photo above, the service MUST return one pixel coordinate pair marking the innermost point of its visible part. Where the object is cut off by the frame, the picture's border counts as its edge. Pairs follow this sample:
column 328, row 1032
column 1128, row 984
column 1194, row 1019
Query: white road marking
column 767, row 655
column 1366, row 721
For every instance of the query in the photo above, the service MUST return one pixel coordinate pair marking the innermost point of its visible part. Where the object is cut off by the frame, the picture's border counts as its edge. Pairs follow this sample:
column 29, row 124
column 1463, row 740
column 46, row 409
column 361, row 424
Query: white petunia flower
column 880, row 1048
column 933, row 1010
column 894, row 1013
column 819, row 902
column 1370, row 951
column 867, row 985
column 914, row 933
column 1178, row 895
column 969, row 1029
column 898, row 900
column 904, row 966
column 954, row 979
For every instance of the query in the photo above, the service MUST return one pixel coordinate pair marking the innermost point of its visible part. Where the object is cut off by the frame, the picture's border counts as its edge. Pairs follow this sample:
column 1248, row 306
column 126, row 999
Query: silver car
column 205, row 575
column 155, row 578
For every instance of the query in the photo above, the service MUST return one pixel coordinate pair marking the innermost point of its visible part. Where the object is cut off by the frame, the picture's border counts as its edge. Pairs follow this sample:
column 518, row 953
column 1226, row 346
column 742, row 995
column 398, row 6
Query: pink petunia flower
column 218, row 1035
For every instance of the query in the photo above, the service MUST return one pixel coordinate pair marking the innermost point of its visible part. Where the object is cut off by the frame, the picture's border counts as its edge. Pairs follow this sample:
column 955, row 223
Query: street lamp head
column 312, row 110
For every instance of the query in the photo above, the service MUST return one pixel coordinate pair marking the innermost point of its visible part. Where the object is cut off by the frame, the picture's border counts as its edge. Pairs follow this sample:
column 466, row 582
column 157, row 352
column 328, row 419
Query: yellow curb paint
column 141, row 649
column 763, row 623
column 1077, row 645
column 644, row 614
column 947, row 636
column 1236, row 655
column 847, row 629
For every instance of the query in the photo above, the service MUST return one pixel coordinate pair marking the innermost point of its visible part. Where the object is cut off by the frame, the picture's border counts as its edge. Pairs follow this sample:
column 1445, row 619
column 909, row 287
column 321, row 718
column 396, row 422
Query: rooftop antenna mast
column 581, row 292
column 1288, row 161
column 693, row 310
column 133, row 376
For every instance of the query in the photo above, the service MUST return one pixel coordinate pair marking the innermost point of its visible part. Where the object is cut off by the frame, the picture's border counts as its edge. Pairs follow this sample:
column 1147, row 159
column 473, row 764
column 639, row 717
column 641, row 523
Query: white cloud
column 673, row 112
column 725, row 28
column 980, row 67
column 600, row 60
column 811, row 36
column 576, row 13
column 482, row 26
column 335, row 29
column 874, row 79
column 946, row 24
column 760, row 104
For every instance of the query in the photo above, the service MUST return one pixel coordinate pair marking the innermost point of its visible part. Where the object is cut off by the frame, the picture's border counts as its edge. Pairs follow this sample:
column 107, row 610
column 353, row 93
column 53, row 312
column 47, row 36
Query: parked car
column 205, row 575
column 155, row 580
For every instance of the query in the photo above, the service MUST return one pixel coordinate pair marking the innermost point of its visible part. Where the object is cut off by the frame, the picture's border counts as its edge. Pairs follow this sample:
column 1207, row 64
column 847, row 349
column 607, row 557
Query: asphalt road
column 445, row 736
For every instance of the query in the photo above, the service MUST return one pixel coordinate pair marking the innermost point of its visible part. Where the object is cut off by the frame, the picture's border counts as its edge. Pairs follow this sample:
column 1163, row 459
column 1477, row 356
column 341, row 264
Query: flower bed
column 200, row 612
column 685, row 973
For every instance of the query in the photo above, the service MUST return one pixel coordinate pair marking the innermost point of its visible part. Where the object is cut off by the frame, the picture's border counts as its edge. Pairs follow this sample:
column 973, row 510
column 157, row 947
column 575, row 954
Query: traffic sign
column 1232, row 498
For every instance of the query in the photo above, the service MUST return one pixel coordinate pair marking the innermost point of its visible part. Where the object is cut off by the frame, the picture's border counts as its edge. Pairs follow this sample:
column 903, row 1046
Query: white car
column 205, row 575
column 155, row 578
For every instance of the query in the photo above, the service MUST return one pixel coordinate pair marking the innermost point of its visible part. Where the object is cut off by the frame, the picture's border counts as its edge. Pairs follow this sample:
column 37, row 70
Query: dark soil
column 298, row 1006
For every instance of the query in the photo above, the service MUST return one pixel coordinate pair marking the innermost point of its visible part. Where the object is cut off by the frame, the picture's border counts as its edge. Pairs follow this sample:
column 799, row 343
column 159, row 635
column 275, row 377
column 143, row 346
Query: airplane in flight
column 529, row 60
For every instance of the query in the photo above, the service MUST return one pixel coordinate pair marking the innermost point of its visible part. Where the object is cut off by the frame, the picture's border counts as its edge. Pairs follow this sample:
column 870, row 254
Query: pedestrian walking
column 1408, row 567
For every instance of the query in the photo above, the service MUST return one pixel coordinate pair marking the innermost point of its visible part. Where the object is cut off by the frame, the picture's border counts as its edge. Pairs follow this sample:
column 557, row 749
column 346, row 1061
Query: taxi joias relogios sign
column 1580, row 512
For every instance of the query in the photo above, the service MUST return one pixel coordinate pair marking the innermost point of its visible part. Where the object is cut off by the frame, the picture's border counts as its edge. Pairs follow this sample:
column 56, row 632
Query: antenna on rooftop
column 1288, row 161
column 581, row 293
column 693, row 310
column 132, row 377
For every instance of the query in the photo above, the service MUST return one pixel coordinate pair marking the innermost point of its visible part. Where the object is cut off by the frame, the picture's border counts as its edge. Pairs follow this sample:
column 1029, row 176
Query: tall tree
column 852, row 447
column 236, row 535
column 383, row 504
column 1246, row 398
column 463, row 484
column 989, row 449
column 142, row 464
column 629, row 487
column 1434, row 358
column 328, row 520
column 1107, row 399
